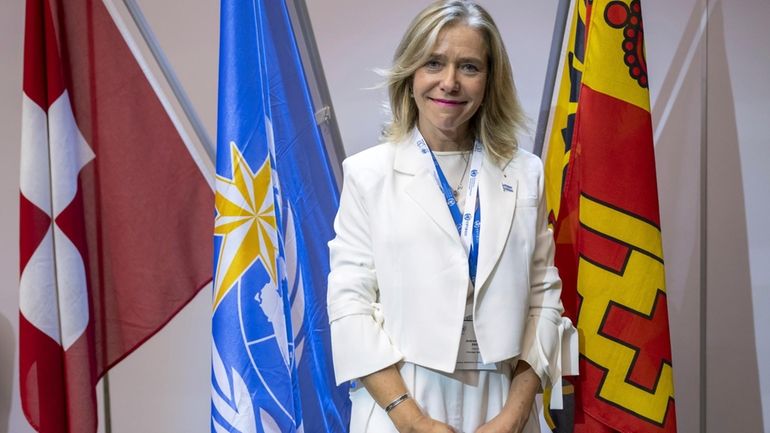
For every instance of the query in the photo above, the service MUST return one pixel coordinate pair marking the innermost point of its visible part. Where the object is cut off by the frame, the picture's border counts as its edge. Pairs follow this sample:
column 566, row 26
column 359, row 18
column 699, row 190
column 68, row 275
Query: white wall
column 709, row 90
column 675, row 72
column 12, row 25
column 738, row 237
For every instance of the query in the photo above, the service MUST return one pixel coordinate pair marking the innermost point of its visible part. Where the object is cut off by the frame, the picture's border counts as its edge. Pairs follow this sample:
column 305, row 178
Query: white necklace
column 456, row 191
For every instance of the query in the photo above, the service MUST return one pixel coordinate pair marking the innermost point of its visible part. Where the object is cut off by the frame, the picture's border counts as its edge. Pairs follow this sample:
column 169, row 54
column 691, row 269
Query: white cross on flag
column 115, row 233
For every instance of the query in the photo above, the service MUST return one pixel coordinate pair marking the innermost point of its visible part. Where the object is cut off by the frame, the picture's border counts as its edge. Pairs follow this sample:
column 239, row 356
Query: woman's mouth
column 447, row 102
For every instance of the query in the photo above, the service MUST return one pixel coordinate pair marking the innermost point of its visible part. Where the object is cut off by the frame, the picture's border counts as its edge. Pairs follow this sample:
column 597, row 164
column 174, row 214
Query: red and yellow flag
column 607, row 224
column 562, row 119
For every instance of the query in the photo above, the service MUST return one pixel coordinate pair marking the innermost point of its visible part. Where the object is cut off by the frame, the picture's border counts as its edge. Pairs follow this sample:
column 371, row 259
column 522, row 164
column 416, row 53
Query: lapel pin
column 507, row 188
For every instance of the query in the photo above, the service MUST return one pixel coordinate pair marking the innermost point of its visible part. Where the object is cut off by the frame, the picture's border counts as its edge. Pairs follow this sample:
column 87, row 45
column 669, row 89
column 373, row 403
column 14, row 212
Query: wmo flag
column 115, row 211
column 608, row 241
column 275, row 203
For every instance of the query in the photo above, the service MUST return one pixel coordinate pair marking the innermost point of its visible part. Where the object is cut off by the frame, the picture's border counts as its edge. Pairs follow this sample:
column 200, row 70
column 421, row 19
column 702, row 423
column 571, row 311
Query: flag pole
column 314, row 74
column 559, row 26
column 703, row 235
column 170, row 76
column 107, row 404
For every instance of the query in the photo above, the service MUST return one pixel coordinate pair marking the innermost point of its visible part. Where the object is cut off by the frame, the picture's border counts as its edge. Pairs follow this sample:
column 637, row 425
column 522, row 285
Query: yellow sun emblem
column 246, row 221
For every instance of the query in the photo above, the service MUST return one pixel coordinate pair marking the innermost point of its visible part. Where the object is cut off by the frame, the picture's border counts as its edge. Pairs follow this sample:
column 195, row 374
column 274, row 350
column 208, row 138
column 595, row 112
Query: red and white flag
column 115, row 233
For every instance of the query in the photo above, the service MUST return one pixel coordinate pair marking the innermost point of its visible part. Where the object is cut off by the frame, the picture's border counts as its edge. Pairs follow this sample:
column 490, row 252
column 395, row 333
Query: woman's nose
column 449, row 81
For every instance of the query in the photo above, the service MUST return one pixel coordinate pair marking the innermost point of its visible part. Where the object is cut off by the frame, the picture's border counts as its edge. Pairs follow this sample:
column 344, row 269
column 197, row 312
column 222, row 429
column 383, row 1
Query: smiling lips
column 447, row 102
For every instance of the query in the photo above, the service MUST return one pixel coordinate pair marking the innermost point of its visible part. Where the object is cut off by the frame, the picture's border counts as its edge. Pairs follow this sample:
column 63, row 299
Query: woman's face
column 449, row 87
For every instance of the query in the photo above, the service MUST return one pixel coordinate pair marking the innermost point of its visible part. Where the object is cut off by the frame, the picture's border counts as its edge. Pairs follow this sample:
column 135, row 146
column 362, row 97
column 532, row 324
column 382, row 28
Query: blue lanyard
column 473, row 254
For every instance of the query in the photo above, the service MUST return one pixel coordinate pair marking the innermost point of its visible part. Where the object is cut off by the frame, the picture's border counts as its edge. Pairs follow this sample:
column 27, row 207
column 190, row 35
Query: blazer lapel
column 497, row 195
column 422, row 188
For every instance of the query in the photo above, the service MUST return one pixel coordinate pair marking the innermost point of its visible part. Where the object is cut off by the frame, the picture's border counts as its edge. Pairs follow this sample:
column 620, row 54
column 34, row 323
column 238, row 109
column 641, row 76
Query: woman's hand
column 504, row 423
column 387, row 384
column 408, row 418
column 426, row 424
column 518, row 406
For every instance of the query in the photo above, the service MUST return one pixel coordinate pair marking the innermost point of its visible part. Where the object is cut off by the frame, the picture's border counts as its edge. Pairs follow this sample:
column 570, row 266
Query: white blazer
column 399, row 272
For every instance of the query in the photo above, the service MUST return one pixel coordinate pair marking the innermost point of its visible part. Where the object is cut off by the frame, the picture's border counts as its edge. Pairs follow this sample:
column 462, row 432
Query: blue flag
column 275, row 203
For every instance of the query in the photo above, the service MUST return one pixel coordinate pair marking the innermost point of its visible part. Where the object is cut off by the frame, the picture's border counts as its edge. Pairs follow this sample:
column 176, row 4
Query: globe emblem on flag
column 252, row 283
column 276, row 200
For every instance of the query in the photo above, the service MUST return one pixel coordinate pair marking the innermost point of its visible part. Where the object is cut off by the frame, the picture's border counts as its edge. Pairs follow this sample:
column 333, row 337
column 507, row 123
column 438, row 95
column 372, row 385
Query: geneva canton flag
column 275, row 203
column 603, row 199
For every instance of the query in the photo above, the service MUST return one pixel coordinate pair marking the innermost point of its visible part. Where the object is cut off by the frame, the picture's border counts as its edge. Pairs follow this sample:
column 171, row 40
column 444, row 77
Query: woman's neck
column 440, row 141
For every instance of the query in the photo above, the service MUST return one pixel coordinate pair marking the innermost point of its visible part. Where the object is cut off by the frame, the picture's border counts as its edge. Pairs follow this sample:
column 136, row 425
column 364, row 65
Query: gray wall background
column 708, row 63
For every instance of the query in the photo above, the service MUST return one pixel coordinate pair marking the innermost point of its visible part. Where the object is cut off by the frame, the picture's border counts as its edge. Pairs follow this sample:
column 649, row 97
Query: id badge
column 469, row 356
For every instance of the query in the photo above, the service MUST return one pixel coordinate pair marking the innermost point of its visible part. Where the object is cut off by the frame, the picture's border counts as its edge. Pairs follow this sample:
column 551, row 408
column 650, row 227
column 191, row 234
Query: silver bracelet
column 400, row 399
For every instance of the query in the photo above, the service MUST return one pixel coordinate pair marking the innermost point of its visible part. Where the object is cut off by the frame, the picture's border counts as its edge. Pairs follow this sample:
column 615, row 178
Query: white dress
column 464, row 399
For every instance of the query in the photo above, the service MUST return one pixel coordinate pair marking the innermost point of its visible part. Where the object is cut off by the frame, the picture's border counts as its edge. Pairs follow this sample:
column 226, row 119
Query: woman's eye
column 469, row 68
column 433, row 64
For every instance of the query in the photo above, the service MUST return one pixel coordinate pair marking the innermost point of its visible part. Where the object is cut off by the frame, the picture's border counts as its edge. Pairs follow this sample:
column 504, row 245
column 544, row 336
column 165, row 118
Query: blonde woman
column 443, row 301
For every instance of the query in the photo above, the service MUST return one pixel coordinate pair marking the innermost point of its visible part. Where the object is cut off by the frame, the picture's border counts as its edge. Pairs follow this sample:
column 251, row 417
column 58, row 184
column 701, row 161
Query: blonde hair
column 498, row 119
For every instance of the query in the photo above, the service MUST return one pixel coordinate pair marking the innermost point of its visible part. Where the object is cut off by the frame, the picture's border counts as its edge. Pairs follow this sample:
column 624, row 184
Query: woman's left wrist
column 513, row 418
column 517, row 410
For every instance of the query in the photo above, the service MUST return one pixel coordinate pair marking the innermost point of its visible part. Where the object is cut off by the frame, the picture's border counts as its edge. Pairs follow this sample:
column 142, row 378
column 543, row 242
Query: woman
column 443, row 299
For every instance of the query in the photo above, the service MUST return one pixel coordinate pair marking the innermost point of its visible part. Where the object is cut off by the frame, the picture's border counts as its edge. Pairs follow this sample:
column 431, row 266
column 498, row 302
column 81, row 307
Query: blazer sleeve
column 550, row 344
column 360, row 345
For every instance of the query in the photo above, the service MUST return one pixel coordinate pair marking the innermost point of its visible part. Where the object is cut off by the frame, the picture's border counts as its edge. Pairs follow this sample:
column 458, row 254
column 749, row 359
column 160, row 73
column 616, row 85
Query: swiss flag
column 115, row 211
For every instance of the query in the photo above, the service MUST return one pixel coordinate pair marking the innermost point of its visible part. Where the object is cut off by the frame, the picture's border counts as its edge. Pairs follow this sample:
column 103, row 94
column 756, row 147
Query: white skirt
column 464, row 399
